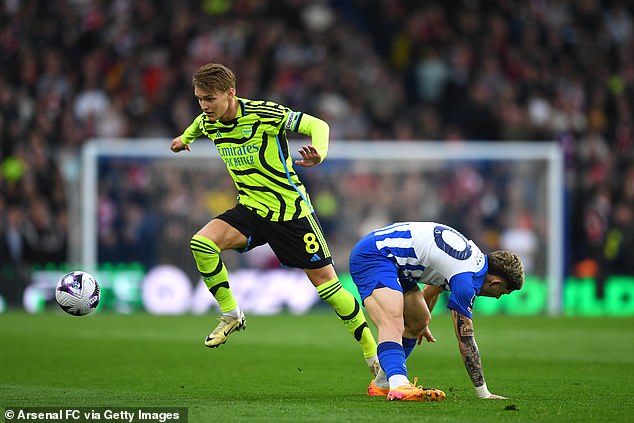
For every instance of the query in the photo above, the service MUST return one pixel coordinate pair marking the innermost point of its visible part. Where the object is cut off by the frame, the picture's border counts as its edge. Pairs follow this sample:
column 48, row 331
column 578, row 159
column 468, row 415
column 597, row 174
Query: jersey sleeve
column 317, row 129
column 193, row 131
column 462, row 293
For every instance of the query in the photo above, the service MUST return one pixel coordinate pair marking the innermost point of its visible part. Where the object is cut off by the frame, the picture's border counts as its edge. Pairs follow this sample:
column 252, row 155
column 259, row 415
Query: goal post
column 541, row 165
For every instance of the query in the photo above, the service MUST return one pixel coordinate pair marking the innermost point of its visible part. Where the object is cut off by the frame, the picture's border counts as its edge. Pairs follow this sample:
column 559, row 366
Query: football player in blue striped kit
column 387, row 266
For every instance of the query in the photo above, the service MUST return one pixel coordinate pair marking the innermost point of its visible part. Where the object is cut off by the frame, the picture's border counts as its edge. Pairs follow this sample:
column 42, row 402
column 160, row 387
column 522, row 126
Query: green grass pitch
column 307, row 368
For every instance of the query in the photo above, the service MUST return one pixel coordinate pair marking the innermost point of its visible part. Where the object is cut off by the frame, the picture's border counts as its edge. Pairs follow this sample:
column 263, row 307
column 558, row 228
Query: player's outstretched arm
column 431, row 294
column 463, row 327
column 192, row 132
column 178, row 145
column 310, row 156
column 319, row 132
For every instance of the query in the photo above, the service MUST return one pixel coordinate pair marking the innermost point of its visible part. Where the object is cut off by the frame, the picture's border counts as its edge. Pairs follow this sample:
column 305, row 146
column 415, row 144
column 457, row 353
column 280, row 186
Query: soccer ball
column 77, row 293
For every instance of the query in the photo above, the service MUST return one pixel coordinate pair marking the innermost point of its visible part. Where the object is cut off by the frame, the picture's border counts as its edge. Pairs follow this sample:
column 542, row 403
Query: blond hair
column 214, row 77
column 508, row 266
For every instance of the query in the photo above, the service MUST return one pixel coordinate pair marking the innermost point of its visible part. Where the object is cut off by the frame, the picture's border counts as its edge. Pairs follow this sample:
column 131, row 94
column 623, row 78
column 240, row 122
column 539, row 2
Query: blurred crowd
column 537, row 70
column 499, row 204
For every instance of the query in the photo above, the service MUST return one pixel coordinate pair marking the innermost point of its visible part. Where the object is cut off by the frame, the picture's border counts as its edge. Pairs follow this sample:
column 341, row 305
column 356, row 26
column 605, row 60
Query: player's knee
column 203, row 246
column 394, row 329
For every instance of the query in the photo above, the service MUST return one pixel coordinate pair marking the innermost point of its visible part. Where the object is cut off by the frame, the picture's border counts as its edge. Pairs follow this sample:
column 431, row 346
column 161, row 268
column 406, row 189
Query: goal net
column 142, row 203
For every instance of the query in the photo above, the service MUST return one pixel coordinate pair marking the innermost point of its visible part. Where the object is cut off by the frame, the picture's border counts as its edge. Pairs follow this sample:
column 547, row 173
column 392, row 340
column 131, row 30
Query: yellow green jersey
column 255, row 149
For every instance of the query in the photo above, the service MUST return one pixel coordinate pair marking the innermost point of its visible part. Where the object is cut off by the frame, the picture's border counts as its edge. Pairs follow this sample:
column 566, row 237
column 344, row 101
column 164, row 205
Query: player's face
column 214, row 104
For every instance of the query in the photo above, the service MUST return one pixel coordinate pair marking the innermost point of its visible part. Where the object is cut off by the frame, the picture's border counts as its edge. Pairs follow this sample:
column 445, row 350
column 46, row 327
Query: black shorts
column 296, row 243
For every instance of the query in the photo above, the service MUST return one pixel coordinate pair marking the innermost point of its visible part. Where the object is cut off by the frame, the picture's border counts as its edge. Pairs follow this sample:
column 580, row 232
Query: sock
column 408, row 345
column 233, row 313
column 381, row 380
column 349, row 311
column 214, row 273
column 392, row 359
column 398, row 380
column 370, row 360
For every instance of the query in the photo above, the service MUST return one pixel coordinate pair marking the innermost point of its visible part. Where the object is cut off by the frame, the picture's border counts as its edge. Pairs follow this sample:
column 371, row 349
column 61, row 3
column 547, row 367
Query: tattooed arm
column 470, row 354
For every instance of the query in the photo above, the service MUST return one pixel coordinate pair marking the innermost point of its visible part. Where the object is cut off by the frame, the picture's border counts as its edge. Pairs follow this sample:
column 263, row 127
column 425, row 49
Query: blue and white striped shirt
column 435, row 254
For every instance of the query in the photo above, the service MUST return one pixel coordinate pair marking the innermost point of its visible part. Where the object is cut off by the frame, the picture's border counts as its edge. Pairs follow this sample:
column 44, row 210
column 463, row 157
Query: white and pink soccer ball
column 77, row 293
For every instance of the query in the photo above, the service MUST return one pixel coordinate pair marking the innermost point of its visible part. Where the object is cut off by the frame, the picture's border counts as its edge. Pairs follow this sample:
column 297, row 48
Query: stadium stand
column 393, row 69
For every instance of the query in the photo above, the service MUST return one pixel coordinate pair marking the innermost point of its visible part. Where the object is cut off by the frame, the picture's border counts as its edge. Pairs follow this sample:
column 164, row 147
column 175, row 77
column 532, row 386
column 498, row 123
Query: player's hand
column 177, row 145
column 310, row 156
column 426, row 333
column 493, row 396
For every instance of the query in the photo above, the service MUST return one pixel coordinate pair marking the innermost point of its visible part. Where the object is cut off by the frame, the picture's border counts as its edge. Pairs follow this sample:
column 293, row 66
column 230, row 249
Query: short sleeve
column 462, row 293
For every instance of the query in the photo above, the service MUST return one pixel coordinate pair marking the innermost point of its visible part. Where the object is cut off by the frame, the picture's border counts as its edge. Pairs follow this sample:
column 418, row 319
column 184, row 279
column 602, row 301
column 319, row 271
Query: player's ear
column 231, row 93
column 492, row 281
column 495, row 280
